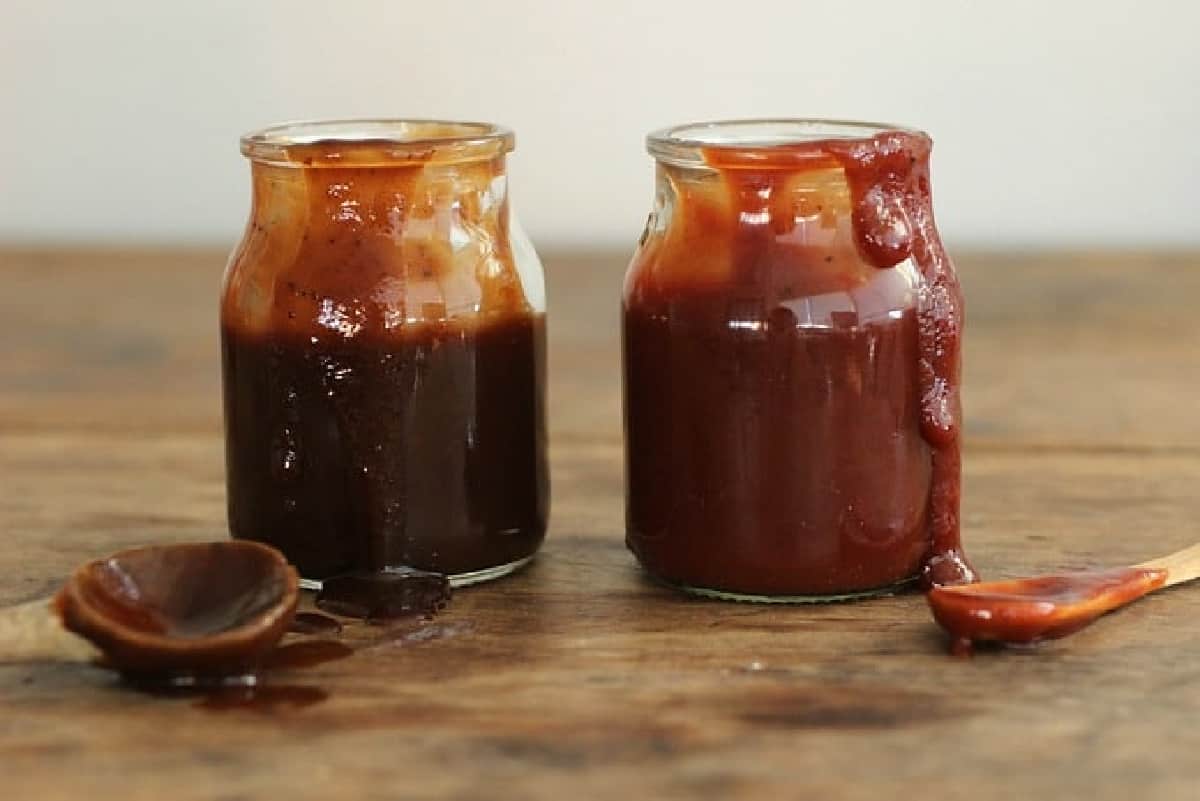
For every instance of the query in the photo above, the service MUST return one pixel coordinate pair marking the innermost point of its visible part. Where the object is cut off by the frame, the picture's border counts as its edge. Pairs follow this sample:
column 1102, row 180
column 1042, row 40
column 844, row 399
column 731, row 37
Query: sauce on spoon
column 198, row 609
column 1030, row 610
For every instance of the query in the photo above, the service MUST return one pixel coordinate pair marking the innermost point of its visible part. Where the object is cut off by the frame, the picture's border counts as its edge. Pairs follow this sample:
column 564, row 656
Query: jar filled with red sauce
column 792, row 330
column 383, row 343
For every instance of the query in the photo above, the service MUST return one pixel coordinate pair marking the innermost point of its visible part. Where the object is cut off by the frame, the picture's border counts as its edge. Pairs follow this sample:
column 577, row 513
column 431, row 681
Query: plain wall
column 1056, row 123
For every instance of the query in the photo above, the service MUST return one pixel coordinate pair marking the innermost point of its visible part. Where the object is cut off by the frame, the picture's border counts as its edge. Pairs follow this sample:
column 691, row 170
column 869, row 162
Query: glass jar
column 791, row 357
column 383, row 342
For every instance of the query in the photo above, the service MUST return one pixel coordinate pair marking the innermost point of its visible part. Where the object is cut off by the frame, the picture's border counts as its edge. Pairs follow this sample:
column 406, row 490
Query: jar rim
column 375, row 141
column 684, row 145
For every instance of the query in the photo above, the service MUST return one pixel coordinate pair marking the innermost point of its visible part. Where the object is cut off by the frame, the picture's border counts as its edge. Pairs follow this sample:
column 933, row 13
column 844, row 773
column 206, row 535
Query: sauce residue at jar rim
column 342, row 454
column 892, row 217
column 1030, row 610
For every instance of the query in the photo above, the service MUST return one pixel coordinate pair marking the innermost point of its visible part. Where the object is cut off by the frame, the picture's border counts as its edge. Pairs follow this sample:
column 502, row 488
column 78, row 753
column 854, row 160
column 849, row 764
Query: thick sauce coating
column 1030, row 610
column 384, row 372
column 792, row 357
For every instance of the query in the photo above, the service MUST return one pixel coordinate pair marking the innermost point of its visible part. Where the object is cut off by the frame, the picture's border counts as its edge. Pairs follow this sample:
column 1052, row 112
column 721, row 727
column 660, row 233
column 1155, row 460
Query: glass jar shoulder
column 378, row 267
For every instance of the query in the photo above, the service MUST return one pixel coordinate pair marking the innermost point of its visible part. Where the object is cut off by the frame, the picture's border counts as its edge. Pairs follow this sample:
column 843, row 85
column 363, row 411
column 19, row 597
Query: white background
column 1057, row 123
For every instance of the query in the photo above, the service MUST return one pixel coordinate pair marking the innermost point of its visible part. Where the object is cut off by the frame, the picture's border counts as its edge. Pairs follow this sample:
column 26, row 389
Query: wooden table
column 578, row 678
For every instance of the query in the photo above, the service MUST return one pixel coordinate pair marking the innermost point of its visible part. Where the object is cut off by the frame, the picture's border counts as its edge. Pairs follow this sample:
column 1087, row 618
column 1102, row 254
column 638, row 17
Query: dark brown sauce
column 385, row 596
column 1035, row 609
column 757, row 460
column 424, row 450
column 187, row 591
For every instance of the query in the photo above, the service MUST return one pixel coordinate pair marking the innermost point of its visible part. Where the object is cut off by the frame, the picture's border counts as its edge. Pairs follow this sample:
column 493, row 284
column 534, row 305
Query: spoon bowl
column 198, row 609
column 1023, row 611
column 1030, row 610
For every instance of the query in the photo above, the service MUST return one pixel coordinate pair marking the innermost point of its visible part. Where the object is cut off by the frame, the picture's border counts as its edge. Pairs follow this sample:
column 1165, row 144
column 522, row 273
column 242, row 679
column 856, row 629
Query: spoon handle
column 1181, row 566
column 32, row 632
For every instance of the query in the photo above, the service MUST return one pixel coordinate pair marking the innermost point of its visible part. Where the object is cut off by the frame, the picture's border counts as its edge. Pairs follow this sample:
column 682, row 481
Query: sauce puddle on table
column 1031, row 610
column 387, row 601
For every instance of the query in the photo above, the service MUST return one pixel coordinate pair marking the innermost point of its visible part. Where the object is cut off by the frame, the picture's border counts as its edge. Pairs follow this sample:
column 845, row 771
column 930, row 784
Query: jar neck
column 451, row 202
column 803, row 216
column 779, row 199
column 754, row 228
column 860, row 189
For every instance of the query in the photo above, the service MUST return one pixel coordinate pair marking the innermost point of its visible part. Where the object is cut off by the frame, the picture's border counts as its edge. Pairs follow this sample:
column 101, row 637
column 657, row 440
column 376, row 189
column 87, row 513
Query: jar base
column 753, row 598
column 457, row 579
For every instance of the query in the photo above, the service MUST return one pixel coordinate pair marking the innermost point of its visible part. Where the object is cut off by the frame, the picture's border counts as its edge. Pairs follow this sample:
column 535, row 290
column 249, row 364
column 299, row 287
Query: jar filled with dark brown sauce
column 792, row 330
column 383, row 343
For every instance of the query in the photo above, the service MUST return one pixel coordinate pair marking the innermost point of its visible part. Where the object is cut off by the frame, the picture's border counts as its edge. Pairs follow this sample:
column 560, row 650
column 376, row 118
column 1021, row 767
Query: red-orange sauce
column 766, row 457
column 1034, row 609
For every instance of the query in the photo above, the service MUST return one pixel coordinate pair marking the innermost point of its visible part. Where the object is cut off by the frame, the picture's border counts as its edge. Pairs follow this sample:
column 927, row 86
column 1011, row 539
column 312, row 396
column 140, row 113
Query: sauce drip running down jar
column 383, row 342
column 792, row 330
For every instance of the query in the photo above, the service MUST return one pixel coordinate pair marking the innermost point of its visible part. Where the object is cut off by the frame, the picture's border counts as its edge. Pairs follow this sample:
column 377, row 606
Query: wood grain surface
column 578, row 678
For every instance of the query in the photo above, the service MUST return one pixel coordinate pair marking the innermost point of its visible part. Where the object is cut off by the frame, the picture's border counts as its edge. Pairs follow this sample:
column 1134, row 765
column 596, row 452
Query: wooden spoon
column 1046, row 607
column 197, row 609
